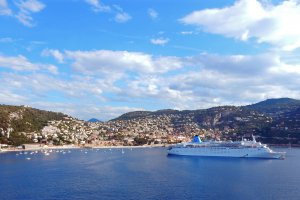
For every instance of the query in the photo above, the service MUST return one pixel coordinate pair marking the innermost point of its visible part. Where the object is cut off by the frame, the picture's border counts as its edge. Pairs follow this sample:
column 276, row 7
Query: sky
column 100, row 59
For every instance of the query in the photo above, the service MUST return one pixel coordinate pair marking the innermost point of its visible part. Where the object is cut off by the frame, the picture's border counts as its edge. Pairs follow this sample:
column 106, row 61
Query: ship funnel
column 196, row 139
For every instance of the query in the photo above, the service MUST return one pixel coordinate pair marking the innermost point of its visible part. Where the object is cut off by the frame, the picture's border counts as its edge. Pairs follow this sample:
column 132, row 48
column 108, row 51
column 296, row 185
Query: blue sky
column 92, row 58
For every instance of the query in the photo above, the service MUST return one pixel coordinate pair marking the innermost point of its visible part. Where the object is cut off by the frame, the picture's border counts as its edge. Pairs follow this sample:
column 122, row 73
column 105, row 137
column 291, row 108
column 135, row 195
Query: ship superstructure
column 241, row 149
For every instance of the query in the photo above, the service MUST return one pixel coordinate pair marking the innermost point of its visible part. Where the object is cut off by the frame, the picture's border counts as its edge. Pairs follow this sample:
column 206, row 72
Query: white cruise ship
column 239, row 149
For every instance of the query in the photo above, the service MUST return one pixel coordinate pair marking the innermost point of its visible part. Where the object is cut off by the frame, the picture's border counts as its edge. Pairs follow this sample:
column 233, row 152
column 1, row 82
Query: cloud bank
column 247, row 19
column 140, row 80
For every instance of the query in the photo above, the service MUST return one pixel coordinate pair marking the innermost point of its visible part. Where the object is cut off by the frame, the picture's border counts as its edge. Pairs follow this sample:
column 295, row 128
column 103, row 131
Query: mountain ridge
column 274, row 107
column 94, row 120
column 268, row 106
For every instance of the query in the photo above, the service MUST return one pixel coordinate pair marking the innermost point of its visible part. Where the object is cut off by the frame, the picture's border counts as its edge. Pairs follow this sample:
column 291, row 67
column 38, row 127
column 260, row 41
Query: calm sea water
column 146, row 174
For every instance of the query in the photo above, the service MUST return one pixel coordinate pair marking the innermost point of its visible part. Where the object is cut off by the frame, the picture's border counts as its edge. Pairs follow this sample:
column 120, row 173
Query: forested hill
column 18, row 119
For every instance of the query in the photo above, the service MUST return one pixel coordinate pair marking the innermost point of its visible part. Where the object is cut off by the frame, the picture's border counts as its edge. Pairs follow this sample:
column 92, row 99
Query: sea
column 145, row 173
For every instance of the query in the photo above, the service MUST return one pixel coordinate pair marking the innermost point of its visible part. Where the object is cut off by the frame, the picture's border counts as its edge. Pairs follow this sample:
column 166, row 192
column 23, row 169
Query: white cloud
column 283, row 68
column 208, row 79
column 33, row 6
column 152, row 13
column 155, row 90
column 55, row 53
column 235, row 64
column 86, row 111
column 122, row 17
column 52, row 69
column 213, row 80
column 186, row 32
column 97, row 6
column 246, row 19
column 26, row 9
column 21, row 63
column 38, row 86
column 4, row 9
column 110, row 112
column 100, row 79
column 106, row 61
column 81, row 95
column 9, row 97
column 159, row 41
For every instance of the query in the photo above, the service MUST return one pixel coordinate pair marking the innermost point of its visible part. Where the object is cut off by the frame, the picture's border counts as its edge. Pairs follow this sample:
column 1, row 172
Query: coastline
column 128, row 147
column 45, row 147
column 39, row 148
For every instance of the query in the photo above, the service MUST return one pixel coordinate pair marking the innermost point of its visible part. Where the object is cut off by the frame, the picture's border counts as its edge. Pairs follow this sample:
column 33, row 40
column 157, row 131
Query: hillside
column 15, row 120
column 285, row 128
column 228, row 122
column 275, row 121
column 275, row 107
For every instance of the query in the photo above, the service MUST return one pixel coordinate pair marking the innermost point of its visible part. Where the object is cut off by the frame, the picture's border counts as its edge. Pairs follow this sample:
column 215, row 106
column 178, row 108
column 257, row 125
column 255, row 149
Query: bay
column 146, row 173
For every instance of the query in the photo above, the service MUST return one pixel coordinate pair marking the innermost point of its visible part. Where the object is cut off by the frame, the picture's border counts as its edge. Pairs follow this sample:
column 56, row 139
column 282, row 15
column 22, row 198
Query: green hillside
column 23, row 119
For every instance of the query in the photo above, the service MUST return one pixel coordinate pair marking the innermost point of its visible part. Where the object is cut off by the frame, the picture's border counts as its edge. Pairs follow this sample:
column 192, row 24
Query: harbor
column 145, row 172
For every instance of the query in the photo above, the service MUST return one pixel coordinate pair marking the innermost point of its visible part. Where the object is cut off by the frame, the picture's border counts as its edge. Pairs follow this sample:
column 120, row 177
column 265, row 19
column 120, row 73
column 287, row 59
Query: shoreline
column 45, row 147
column 78, row 147
column 127, row 147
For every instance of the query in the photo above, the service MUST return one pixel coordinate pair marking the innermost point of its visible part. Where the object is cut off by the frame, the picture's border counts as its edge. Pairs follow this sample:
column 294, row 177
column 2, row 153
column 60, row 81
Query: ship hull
column 236, row 153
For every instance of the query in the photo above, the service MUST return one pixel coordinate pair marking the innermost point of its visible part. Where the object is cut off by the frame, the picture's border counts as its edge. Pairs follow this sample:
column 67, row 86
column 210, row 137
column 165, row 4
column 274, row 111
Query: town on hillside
column 22, row 125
